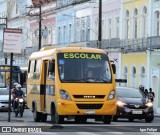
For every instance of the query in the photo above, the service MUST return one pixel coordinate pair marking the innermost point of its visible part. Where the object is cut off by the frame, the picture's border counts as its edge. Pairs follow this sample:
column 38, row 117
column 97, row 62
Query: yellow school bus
column 59, row 85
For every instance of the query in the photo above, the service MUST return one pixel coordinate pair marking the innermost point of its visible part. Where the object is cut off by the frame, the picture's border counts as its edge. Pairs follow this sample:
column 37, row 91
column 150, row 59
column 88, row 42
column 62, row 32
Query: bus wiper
column 83, row 79
column 77, row 80
column 101, row 79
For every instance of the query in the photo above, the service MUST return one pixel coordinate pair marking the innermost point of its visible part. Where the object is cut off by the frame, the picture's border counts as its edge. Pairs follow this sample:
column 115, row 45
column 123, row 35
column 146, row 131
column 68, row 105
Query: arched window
column 142, row 71
column 127, row 25
column 144, row 22
column 133, row 77
column 134, row 71
column 135, row 22
column 142, row 76
column 157, row 17
column 125, row 74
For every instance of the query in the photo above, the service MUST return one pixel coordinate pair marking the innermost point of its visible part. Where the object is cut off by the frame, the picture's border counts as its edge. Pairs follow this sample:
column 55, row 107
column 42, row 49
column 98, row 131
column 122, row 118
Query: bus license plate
column 90, row 112
column 136, row 112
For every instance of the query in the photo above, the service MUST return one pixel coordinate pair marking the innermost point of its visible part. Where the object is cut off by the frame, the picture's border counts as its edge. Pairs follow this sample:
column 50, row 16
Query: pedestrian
column 141, row 88
column 151, row 94
column 146, row 92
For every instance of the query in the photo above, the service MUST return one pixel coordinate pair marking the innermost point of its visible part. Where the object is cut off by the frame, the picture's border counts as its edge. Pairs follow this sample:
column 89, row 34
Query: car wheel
column 149, row 119
column 131, row 119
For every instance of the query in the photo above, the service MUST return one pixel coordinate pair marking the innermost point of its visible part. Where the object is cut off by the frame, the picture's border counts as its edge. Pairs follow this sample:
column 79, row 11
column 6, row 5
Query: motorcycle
column 20, row 106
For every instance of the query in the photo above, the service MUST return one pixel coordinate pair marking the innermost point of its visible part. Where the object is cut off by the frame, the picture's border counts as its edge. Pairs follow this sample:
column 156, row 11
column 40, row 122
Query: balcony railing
column 124, row 46
column 134, row 45
column 64, row 3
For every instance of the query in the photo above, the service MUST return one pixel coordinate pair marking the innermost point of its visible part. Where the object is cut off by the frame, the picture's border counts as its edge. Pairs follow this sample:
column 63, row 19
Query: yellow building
column 134, row 59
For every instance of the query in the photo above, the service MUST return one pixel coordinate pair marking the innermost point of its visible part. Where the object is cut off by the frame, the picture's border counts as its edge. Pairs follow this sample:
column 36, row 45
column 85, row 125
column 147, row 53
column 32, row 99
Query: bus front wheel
column 107, row 119
column 55, row 118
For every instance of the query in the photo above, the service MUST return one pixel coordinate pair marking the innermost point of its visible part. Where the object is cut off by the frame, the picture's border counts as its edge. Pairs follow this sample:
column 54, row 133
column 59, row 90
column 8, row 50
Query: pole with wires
column 40, row 22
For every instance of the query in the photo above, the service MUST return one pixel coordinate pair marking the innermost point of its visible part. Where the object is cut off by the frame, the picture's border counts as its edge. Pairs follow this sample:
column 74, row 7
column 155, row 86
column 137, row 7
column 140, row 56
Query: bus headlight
column 64, row 95
column 111, row 95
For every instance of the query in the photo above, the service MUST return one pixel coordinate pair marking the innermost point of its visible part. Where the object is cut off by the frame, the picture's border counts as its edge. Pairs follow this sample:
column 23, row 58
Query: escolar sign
column 82, row 56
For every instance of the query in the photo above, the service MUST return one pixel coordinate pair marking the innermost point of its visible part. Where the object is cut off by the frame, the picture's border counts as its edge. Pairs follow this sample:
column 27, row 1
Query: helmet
column 15, row 83
column 18, row 86
column 141, row 87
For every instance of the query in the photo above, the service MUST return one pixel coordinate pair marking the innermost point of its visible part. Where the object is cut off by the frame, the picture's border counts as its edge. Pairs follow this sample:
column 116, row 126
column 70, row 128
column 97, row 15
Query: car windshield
column 84, row 67
column 129, row 93
column 4, row 92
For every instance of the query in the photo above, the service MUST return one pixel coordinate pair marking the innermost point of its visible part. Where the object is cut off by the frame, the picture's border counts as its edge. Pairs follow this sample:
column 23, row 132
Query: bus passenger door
column 43, row 90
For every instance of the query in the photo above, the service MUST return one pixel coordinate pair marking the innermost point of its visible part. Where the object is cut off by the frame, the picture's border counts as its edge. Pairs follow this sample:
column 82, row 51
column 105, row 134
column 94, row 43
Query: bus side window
column 51, row 70
column 31, row 71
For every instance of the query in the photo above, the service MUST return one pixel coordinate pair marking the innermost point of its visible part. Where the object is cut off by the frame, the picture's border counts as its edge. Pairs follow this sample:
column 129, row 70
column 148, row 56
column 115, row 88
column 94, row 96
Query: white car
column 4, row 98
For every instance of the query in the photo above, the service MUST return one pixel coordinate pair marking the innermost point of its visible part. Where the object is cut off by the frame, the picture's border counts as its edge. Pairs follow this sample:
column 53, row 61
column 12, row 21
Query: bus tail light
column 111, row 95
column 64, row 95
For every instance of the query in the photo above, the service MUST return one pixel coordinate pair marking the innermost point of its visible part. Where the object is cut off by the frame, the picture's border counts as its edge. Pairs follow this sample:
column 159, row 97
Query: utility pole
column 100, row 25
column 40, row 22
column 4, row 18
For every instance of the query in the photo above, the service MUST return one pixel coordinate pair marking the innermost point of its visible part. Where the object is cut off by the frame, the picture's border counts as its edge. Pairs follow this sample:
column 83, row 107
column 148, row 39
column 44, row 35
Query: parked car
column 133, row 104
column 4, row 98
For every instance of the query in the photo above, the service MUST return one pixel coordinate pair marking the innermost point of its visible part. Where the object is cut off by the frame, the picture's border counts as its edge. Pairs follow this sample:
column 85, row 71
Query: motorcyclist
column 18, row 93
column 13, row 92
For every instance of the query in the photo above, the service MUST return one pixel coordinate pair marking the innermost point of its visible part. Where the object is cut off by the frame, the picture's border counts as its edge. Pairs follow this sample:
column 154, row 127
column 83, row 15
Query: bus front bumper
column 86, row 108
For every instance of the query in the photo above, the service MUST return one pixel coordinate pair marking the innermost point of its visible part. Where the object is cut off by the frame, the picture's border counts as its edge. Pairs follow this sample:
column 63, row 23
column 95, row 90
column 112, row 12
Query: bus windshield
column 84, row 67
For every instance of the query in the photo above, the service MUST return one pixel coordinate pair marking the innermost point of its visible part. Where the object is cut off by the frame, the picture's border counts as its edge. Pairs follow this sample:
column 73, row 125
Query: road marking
column 86, row 133
column 118, row 133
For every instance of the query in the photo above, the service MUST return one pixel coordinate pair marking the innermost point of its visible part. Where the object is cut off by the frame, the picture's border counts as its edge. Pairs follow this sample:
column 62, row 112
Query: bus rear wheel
column 36, row 115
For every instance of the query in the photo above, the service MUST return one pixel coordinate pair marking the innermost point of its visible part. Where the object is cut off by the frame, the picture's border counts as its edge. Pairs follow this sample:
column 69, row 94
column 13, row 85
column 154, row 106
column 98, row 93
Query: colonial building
column 154, row 46
column 134, row 60
column 14, row 12
column 78, row 25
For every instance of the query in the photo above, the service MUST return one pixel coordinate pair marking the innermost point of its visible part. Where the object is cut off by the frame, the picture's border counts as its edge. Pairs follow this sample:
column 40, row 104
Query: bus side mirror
column 114, row 68
column 51, row 67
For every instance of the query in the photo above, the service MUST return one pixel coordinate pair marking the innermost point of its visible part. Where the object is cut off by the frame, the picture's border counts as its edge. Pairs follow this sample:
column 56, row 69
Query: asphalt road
column 122, row 126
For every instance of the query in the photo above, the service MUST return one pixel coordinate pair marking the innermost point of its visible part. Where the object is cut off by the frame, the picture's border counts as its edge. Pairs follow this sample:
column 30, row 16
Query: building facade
column 134, row 60
column 154, row 46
